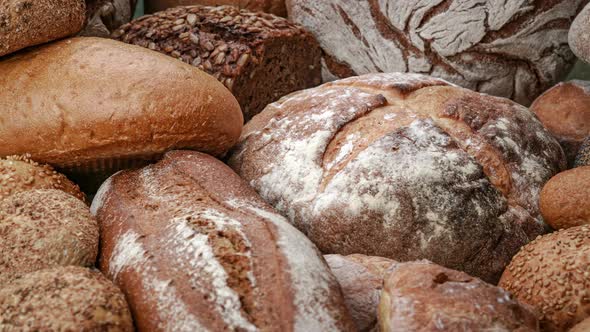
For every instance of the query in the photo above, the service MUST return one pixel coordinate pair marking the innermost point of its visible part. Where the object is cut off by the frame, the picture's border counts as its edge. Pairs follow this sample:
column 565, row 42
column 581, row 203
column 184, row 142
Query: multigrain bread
column 20, row 173
column 579, row 35
column 195, row 249
column 63, row 299
column 105, row 16
column 259, row 57
column 276, row 7
column 25, row 23
column 99, row 105
column 513, row 49
column 403, row 166
column 552, row 274
column 45, row 228
column 422, row 296
column 583, row 156
column 565, row 111
column 361, row 280
column 565, row 199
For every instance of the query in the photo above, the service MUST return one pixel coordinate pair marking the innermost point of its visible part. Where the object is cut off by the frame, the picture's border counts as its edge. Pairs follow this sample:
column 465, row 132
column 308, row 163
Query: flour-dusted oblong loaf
column 403, row 166
column 195, row 249
column 98, row 105
column 276, row 7
column 25, row 23
column 508, row 48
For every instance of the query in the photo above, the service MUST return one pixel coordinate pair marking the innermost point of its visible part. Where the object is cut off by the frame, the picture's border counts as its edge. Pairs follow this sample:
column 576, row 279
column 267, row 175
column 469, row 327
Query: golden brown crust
column 565, row 199
column 104, row 101
column 25, row 23
column 276, row 7
column 552, row 274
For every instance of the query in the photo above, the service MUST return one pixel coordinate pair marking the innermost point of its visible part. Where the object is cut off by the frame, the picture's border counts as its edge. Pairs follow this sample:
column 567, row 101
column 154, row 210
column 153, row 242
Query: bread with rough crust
column 565, row 199
column 276, row 7
column 195, row 249
column 403, row 166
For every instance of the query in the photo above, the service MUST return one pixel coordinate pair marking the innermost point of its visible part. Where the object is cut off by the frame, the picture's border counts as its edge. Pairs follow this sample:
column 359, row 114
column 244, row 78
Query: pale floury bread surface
column 94, row 105
column 195, row 249
column 44, row 228
column 63, row 299
column 403, row 166
column 25, row 23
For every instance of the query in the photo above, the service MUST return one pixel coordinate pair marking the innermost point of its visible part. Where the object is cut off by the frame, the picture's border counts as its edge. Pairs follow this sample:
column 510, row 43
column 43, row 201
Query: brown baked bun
column 565, row 111
column 565, row 199
column 44, row 228
column 63, row 299
column 422, row 296
column 276, row 7
column 100, row 105
column 552, row 274
column 361, row 280
column 584, row 326
column 20, row 173
column 403, row 166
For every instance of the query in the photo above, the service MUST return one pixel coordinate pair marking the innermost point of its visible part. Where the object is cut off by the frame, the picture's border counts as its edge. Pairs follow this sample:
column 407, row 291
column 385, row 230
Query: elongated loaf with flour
column 195, row 249
column 403, row 166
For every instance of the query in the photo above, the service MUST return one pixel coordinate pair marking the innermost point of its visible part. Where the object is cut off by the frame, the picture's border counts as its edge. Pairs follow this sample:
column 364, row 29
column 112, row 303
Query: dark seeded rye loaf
column 259, row 57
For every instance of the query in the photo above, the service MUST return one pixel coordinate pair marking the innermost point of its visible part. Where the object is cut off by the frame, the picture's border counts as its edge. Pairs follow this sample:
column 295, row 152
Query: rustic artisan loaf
column 20, row 173
column 195, row 249
column 552, row 274
column 63, row 299
column 276, row 7
column 44, row 228
column 25, row 23
column 565, row 199
column 565, row 111
column 422, row 296
column 579, row 35
column 259, row 57
column 403, row 166
column 584, row 326
column 514, row 49
column 99, row 105
column 105, row 16
column 583, row 156
column 361, row 280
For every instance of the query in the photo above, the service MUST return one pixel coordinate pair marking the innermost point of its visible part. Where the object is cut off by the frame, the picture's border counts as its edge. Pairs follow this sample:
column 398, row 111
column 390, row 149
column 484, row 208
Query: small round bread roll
column 20, row 173
column 361, row 280
column 583, row 157
column 584, row 326
column 565, row 199
column 63, row 299
column 579, row 35
column 44, row 228
column 423, row 296
column 552, row 274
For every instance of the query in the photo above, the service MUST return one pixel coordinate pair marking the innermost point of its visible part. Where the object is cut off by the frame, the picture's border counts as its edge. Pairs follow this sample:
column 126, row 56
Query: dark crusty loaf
column 259, row 57
column 509, row 48
column 276, row 7
column 45, row 228
column 99, row 105
column 195, row 249
column 579, row 35
column 422, row 296
column 63, row 299
column 403, row 166
column 565, row 199
column 25, row 23
column 105, row 16
column 552, row 274
column 361, row 280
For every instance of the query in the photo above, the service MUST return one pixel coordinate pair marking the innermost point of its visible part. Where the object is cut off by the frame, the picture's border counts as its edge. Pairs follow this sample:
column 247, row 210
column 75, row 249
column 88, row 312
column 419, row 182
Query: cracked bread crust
column 403, row 166
column 194, row 248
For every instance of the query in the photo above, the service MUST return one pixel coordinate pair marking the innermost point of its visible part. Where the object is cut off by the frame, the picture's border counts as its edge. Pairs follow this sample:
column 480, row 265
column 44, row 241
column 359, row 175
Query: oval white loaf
column 195, row 249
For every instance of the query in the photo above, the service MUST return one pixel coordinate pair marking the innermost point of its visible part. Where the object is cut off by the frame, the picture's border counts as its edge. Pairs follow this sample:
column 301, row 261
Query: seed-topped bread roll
column 403, row 166
column 259, row 57
column 276, row 7
column 195, row 249
column 63, row 299
column 565, row 199
column 20, row 173
column 44, row 228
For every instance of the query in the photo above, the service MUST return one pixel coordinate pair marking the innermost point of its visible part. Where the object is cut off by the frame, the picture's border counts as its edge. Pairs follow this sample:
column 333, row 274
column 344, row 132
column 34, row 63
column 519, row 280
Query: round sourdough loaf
column 276, row 7
column 361, row 280
column 195, row 249
column 25, row 23
column 552, row 273
column 422, row 296
column 63, row 299
column 44, row 228
column 99, row 105
column 579, row 35
column 403, row 166
column 20, row 173
column 515, row 49
column 104, row 16
column 565, row 199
